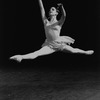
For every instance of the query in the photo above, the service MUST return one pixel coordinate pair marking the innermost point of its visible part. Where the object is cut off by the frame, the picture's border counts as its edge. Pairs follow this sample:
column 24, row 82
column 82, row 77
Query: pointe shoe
column 18, row 58
column 90, row 52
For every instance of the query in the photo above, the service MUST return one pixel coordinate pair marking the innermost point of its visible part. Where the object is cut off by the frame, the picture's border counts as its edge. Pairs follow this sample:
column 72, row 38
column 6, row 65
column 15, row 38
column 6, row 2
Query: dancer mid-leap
column 54, row 42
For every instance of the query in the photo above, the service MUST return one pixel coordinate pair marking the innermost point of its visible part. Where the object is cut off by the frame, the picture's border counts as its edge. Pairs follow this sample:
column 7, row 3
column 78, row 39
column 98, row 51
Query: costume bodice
column 52, row 31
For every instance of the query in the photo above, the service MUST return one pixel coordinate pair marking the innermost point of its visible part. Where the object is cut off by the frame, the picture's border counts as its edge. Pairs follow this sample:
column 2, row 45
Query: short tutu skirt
column 59, row 43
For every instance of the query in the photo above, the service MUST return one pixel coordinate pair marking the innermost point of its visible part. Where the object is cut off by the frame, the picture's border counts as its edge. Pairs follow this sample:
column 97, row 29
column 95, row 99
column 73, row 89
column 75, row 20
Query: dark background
column 22, row 32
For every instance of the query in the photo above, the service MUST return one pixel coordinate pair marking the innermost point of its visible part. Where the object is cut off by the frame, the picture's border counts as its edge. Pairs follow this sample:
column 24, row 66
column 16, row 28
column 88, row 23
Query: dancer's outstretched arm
column 42, row 11
column 63, row 17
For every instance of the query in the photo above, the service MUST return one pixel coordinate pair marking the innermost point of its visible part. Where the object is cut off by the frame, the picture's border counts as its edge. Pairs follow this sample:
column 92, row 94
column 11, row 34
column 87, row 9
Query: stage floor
column 39, row 85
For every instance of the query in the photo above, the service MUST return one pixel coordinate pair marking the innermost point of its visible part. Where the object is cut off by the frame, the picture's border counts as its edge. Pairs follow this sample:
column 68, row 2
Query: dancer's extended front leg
column 77, row 50
column 43, row 51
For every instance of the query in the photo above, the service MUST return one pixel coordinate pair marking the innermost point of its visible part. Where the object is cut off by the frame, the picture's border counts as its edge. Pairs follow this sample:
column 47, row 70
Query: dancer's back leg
column 77, row 50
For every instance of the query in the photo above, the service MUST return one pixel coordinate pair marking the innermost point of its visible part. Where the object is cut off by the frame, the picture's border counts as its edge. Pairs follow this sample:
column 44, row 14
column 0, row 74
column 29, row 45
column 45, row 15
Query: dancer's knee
column 38, row 53
column 69, row 49
column 75, row 50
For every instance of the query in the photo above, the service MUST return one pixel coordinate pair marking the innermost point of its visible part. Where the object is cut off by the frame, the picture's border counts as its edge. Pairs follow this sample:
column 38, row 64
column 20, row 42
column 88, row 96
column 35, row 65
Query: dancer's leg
column 77, row 50
column 43, row 51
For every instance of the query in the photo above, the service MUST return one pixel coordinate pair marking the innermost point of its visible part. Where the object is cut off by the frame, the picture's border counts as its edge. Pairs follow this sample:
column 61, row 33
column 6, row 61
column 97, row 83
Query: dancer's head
column 53, row 11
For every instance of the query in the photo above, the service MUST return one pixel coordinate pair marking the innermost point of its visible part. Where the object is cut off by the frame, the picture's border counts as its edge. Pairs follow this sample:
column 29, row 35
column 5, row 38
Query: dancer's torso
column 52, row 31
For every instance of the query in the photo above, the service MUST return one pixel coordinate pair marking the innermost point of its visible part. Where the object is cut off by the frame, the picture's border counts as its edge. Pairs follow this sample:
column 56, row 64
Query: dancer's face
column 53, row 12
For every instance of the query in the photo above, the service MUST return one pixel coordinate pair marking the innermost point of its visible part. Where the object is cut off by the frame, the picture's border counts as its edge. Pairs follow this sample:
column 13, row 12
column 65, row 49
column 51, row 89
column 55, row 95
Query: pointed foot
column 17, row 58
column 89, row 52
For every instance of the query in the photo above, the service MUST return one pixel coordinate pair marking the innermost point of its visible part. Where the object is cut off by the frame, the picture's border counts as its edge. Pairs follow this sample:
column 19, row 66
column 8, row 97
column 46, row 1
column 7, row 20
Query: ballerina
column 54, row 42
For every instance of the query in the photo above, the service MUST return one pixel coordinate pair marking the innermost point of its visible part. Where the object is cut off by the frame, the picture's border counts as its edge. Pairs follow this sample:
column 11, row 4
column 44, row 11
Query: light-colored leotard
column 53, row 38
column 52, row 31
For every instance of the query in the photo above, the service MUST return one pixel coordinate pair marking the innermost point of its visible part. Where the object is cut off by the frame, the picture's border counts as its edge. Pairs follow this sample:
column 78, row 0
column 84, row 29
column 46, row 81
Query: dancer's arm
column 42, row 11
column 63, row 17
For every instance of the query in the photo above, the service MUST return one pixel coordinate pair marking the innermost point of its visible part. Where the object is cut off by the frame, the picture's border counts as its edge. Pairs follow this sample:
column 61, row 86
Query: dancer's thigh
column 45, row 50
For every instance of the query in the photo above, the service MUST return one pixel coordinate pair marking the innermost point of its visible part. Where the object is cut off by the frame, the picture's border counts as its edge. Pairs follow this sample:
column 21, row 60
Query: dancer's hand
column 17, row 58
column 60, row 4
column 69, row 42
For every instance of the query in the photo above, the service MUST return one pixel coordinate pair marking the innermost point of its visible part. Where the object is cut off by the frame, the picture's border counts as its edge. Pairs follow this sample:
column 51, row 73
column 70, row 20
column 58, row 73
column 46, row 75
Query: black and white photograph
column 49, row 50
